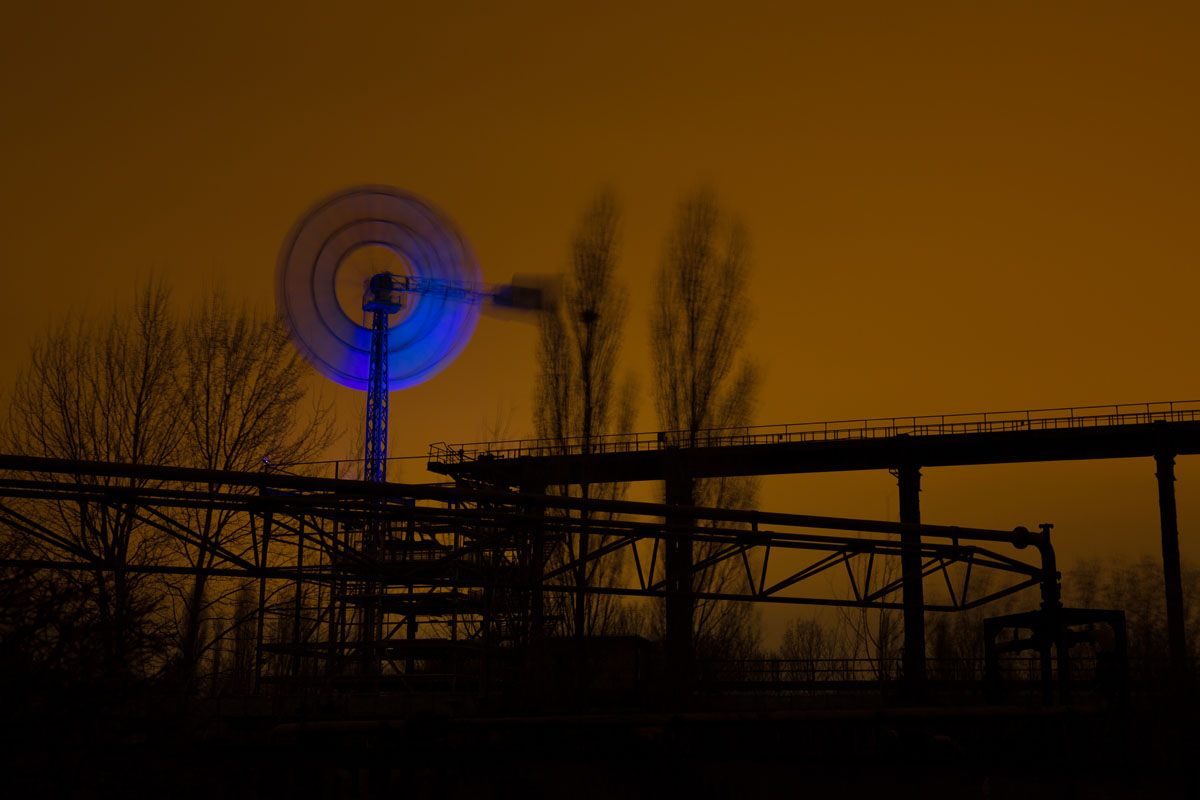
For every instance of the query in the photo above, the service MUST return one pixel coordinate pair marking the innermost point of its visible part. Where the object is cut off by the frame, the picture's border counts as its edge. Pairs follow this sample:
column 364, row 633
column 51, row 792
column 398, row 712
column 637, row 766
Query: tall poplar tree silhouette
column 578, row 400
column 703, row 380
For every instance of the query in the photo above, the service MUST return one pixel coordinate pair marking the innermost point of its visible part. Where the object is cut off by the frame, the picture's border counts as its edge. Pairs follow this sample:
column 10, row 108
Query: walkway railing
column 839, row 430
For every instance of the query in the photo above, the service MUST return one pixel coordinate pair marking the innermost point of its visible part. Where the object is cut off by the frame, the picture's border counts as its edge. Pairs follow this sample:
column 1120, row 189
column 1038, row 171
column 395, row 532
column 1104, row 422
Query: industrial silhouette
column 382, row 601
column 364, row 635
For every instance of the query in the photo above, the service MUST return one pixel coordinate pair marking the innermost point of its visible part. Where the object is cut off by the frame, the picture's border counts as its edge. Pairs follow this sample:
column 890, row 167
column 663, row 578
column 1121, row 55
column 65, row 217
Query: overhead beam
column 790, row 458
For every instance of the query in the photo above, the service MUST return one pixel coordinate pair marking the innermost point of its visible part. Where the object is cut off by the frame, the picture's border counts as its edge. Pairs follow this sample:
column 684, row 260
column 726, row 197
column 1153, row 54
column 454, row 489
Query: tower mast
column 383, row 297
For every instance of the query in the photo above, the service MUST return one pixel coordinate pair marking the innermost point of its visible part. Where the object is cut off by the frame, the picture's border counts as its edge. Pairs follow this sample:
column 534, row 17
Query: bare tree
column 702, row 378
column 222, row 391
column 874, row 634
column 243, row 400
column 1135, row 587
column 103, row 391
column 805, row 645
column 576, row 397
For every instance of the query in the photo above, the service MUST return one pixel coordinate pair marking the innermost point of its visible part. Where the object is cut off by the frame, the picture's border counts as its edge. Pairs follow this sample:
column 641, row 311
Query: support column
column 259, row 658
column 909, row 480
column 537, row 561
column 1172, row 581
column 535, row 663
column 583, row 668
column 679, row 605
column 411, row 627
column 1053, row 633
column 581, row 577
column 298, row 604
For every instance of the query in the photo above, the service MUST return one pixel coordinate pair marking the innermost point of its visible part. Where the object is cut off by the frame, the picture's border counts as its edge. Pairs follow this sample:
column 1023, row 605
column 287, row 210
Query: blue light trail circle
column 426, row 337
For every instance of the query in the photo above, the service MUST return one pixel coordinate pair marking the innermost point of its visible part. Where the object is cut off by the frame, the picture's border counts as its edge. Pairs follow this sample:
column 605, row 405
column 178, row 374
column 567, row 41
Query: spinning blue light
column 435, row 327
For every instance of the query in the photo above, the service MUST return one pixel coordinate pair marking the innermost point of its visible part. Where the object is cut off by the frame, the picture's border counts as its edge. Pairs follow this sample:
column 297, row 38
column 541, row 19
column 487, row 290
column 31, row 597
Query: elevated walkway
column 903, row 445
column 1058, row 434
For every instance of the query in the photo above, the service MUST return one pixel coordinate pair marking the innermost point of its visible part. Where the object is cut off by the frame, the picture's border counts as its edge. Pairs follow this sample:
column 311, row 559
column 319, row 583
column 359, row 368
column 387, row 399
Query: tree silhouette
column 1135, row 587
column 576, row 398
column 805, row 644
column 241, row 390
column 221, row 391
column 103, row 391
column 874, row 634
column 702, row 379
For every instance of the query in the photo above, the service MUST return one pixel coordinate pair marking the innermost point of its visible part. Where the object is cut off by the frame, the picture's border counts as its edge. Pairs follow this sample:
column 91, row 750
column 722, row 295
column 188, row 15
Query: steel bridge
column 1056, row 434
column 902, row 445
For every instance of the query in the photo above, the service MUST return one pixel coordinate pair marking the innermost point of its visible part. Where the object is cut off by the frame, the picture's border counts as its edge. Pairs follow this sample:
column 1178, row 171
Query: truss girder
column 480, row 539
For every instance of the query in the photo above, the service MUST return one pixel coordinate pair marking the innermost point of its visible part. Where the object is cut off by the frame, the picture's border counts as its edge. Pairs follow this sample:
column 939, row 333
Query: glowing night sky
column 954, row 206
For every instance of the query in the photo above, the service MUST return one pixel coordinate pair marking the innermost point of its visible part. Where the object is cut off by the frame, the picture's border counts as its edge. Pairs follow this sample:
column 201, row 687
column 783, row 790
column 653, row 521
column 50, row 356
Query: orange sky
column 954, row 206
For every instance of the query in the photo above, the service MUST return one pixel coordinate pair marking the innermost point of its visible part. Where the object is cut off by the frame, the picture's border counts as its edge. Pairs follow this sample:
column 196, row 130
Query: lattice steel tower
column 383, row 297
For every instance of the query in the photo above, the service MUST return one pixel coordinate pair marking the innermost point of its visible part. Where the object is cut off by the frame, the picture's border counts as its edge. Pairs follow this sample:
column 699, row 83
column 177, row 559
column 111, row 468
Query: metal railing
column 838, row 430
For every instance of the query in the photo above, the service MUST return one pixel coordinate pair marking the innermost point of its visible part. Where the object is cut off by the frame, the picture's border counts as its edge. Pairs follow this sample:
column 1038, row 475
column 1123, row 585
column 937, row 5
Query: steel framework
column 1162, row 431
column 458, row 577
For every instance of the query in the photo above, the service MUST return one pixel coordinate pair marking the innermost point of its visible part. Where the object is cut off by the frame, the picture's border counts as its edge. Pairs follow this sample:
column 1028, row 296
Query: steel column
column 680, row 609
column 909, row 480
column 1172, row 580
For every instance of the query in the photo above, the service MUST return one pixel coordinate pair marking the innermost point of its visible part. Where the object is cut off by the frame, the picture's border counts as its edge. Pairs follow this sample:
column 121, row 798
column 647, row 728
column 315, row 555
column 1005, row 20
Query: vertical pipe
column 1053, row 631
column 1172, row 580
column 909, row 480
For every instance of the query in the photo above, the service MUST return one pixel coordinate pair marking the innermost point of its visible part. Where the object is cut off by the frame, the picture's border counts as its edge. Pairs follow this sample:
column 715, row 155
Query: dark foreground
column 884, row 752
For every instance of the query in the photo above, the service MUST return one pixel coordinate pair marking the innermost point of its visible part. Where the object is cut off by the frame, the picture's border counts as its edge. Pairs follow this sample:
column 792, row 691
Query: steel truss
column 458, row 573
